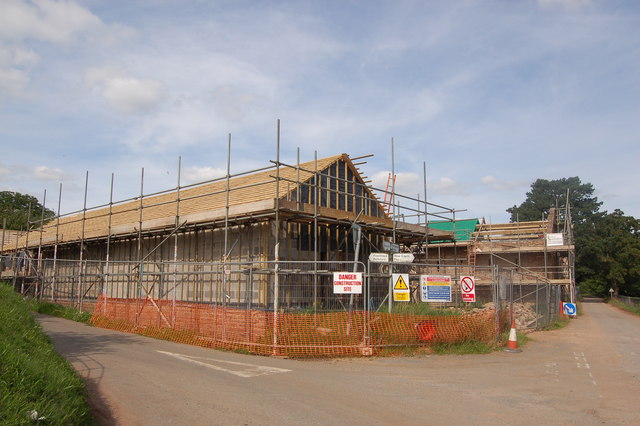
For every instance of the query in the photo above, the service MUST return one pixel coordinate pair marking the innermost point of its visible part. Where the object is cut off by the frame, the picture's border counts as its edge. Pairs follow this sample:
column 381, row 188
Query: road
column 587, row 373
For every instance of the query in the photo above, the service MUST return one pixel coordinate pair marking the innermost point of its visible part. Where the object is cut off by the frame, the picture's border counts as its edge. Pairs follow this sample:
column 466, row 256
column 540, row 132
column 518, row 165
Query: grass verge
column 33, row 377
column 53, row 309
column 471, row 347
column 464, row 348
column 558, row 323
column 423, row 309
column 625, row 307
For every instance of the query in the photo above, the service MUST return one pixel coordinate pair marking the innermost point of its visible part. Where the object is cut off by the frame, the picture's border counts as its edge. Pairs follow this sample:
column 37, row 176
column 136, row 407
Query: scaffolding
column 296, row 212
column 538, row 252
column 263, row 245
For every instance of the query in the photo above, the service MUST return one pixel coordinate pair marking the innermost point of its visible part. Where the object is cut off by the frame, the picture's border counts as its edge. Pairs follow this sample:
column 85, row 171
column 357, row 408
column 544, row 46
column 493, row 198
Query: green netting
column 462, row 229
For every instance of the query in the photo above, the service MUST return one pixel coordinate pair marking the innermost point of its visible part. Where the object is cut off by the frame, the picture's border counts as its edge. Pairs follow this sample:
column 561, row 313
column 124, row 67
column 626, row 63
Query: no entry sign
column 468, row 288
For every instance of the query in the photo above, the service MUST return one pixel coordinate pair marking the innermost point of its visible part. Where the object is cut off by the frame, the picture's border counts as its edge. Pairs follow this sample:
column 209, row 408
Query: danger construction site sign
column 347, row 283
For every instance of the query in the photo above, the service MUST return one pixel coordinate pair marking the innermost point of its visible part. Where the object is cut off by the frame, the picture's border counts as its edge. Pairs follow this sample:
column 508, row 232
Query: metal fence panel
column 287, row 308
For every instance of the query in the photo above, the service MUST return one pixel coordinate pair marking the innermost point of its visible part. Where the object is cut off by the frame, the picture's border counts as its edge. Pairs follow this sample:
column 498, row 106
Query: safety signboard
column 347, row 283
column 435, row 288
column 403, row 257
column 401, row 291
column 378, row 258
column 569, row 308
column 468, row 288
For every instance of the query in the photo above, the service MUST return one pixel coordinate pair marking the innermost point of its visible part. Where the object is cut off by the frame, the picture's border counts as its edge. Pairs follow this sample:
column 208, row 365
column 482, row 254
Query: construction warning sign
column 468, row 288
column 347, row 283
column 435, row 288
column 401, row 291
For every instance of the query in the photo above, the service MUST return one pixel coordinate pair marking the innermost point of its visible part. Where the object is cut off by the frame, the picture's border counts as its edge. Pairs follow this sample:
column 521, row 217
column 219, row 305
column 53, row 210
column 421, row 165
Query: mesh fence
column 293, row 334
column 535, row 305
column 631, row 301
column 292, row 308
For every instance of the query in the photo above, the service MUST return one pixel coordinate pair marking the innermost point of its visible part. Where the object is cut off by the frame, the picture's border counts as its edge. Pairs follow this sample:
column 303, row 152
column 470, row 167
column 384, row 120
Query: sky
column 487, row 96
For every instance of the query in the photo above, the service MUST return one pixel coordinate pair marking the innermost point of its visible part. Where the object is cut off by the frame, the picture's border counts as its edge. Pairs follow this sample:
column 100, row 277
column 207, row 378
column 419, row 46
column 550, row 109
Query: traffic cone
column 512, row 344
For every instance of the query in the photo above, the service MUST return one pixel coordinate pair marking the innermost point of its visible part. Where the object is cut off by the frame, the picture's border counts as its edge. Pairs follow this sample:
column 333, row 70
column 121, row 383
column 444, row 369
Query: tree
column 608, row 250
column 16, row 209
column 607, row 245
column 545, row 194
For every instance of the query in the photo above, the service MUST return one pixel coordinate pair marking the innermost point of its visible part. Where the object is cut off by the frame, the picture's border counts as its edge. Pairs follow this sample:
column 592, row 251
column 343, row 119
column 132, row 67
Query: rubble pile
column 523, row 313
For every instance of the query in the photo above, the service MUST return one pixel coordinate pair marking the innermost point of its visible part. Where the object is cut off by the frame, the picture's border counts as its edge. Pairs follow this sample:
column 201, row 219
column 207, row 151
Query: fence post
column 276, row 295
column 496, row 299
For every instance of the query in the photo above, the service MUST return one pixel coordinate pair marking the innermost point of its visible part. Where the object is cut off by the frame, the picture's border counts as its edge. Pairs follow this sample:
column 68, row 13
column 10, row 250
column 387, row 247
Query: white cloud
column 31, row 29
column 412, row 108
column 232, row 102
column 447, row 186
column 357, row 119
column 197, row 174
column 133, row 95
column 499, row 185
column 15, row 62
column 48, row 173
column 407, row 184
column 94, row 77
column 17, row 56
column 45, row 20
column 12, row 82
column 179, row 124
column 33, row 180
column 568, row 4
column 488, row 180
column 450, row 82
column 123, row 93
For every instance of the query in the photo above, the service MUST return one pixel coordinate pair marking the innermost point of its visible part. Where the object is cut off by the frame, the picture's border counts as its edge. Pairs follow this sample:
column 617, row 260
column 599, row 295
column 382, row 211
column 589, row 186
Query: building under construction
column 228, row 258
column 539, row 252
column 315, row 206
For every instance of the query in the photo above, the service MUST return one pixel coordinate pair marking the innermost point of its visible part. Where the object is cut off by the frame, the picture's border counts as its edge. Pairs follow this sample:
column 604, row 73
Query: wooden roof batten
column 251, row 195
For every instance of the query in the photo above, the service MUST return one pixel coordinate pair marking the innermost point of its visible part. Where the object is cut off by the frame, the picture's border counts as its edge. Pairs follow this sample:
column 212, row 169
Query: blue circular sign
column 569, row 308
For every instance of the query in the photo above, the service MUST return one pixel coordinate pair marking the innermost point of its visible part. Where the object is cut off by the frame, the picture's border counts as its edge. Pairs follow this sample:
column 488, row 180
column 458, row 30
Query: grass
column 471, row 347
column 625, row 307
column 464, row 348
column 559, row 323
column 423, row 309
column 49, row 308
column 33, row 377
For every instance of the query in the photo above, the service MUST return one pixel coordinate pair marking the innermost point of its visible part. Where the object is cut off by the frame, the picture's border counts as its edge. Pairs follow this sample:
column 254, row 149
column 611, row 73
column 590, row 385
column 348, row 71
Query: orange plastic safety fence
column 290, row 334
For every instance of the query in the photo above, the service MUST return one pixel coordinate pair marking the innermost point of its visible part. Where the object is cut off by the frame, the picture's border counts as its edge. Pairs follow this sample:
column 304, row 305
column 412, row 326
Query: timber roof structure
column 530, row 236
column 340, row 195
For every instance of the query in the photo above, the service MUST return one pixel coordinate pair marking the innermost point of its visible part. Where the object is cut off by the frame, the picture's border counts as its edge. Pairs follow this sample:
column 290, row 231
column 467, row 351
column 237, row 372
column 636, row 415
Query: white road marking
column 552, row 370
column 582, row 363
column 250, row 370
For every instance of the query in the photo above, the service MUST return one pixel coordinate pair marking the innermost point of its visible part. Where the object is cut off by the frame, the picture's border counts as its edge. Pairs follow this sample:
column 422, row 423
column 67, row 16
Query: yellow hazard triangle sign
column 400, row 284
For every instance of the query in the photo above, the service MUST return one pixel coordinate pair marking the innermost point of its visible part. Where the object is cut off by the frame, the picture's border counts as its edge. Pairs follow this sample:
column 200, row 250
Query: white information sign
column 401, row 291
column 347, row 283
column 403, row 257
column 435, row 288
column 378, row 258
column 468, row 288
column 555, row 239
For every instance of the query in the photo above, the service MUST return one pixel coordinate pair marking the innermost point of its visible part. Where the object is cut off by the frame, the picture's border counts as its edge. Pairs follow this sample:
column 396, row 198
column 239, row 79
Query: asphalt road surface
column 587, row 373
